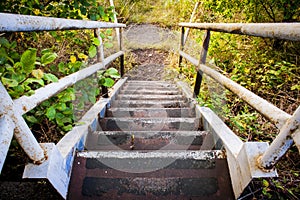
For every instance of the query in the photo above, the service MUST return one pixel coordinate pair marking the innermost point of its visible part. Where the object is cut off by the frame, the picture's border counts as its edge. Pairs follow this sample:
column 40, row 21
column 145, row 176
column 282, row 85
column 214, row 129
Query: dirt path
column 149, row 45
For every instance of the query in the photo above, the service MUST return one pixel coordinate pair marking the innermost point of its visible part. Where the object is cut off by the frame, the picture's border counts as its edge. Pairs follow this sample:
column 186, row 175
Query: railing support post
column 202, row 60
column 181, row 47
column 122, row 70
column 100, row 58
column 282, row 142
column 22, row 132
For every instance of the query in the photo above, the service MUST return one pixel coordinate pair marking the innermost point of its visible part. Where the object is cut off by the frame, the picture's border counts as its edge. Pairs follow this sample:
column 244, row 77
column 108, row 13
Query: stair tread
column 152, row 120
column 150, row 133
column 178, row 154
column 150, row 97
column 150, row 91
column 151, row 103
column 155, row 82
column 145, row 140
column 150, row 112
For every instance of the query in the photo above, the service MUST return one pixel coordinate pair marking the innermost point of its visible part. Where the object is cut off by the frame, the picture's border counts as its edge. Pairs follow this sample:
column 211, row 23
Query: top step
column 149, row 82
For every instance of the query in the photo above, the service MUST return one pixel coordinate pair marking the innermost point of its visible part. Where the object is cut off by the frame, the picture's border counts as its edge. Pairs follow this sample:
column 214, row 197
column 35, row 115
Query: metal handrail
column 11, row 111
column 285, row 31
column 288, row 125
column 17, row 23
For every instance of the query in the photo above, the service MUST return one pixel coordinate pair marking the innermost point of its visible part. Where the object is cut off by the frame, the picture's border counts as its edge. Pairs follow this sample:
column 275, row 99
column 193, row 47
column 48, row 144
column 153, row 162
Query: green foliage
column 106, row 77
column 75, row 9
column 22, row 74
column 25, row 67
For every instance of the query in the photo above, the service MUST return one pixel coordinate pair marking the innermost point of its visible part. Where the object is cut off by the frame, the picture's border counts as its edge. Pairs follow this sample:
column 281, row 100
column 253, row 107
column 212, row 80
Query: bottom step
column 128, row 175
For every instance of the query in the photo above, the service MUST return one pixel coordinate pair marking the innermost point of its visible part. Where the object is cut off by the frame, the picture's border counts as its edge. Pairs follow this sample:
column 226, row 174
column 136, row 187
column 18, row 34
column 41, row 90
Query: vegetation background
column 269, row 68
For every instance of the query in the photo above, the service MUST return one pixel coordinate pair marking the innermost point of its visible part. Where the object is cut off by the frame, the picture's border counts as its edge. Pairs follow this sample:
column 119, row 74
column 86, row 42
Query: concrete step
column 150, row 92
column 152, row 175
column 150, row 112
column 149, row 124
column 151, row 103
column 145, row 140
column 150, row 97
column 150, row 87
column 132, row 82
column 146, row 83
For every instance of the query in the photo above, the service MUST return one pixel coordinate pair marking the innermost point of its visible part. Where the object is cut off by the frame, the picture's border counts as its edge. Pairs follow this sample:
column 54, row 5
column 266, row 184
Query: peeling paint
column 284, row 31
column 17, row 23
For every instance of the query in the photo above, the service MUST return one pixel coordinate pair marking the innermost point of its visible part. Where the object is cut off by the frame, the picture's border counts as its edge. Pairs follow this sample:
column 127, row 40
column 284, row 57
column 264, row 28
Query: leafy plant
column 106, row 77
column 22, row 74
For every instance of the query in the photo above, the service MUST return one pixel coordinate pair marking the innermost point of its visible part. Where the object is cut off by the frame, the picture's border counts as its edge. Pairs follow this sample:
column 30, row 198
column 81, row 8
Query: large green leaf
column 112, row 72
column 51, row 112
column 28, row 59
column 32, row 119
column 48, row 58
column 96, row 41
column 50, row 77
column 108, row 82
column 4, row 42
column 34, row 80
column 92, row 51
column 3, row 56
column 9, row 82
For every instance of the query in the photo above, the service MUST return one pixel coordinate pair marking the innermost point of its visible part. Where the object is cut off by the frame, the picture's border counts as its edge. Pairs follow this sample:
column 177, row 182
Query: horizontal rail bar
column 18, row 23
column 285, row 31
column 27, row 103
column 267, row 109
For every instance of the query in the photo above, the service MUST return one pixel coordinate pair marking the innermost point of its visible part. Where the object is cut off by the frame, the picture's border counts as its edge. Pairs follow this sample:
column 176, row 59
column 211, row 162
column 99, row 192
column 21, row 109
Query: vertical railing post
column 282, row 142
column 203, row 56
column 119, row 38
column 122, row 70
column 182, row 42
column 100, row 58
column 186, row 34
column 100, row 49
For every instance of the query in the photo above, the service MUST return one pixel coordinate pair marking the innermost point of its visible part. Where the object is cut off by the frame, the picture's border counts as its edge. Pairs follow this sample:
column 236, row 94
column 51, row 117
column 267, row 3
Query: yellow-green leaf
column 83, row 56
column 37, row 73
column 92, row 51
column 28, row 60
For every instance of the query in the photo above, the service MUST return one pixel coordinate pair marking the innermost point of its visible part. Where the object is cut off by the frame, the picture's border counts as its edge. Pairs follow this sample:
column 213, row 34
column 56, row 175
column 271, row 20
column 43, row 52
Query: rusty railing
column 288, row 125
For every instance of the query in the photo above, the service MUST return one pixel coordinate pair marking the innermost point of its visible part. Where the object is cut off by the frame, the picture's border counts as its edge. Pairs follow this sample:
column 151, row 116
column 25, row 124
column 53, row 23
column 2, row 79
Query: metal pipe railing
column 15, row 109
column 284, row 31
column 27, row 103
column 17, row 23
column 288, row 125
column 267, row 109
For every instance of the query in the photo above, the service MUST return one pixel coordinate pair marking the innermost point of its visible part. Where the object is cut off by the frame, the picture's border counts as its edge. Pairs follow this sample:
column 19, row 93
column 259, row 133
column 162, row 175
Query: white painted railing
column 251, row 159
column 49, row 160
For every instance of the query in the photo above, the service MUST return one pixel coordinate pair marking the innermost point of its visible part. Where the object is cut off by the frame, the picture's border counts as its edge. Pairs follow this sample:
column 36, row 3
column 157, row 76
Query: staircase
column 149, row 146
